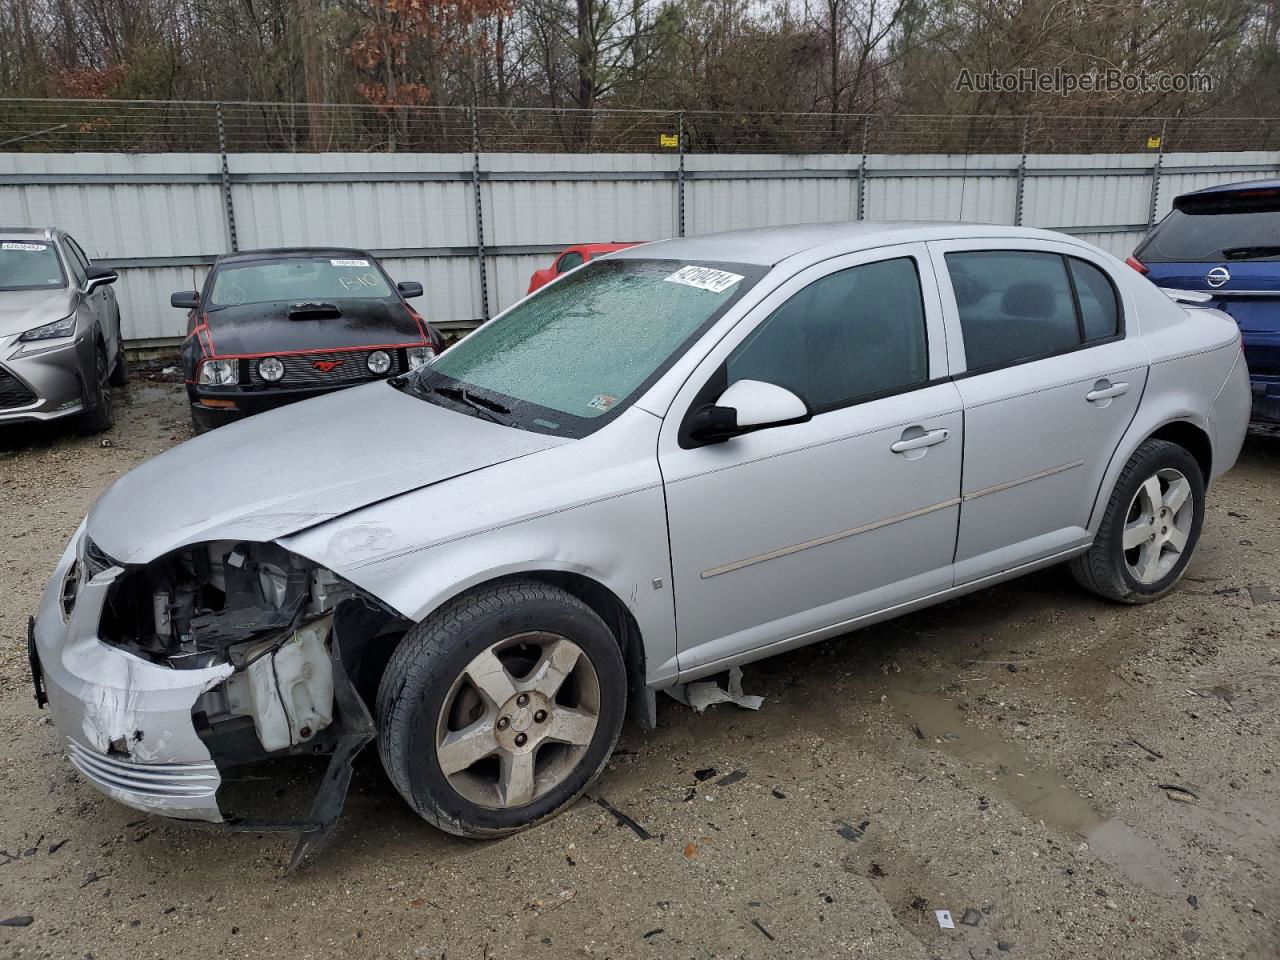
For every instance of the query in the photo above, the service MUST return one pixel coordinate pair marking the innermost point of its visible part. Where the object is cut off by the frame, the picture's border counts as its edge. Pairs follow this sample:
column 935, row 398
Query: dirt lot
column 1001, row 756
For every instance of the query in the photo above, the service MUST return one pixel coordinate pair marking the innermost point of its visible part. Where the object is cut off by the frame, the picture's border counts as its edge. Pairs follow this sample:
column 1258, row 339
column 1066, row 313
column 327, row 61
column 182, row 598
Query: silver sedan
column 677, row 459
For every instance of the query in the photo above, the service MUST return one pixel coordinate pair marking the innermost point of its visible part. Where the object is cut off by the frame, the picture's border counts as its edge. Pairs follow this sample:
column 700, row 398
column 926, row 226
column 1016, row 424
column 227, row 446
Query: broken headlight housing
column 267, row 612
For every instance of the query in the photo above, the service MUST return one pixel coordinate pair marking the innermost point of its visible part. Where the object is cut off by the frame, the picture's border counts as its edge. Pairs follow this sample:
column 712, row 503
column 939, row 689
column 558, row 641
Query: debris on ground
column 849, row 831
column 1178, row 789
column 624, row 820
column 705, row 693
column 760, row 926
column 944, row 919
column 731, row 778
column 971, row 917
column 17, row 922
column 706, row 773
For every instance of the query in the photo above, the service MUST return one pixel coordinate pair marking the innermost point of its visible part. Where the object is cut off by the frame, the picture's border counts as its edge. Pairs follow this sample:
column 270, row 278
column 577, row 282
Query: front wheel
column 501, row 708
column 100, row 416
column 1150, row 528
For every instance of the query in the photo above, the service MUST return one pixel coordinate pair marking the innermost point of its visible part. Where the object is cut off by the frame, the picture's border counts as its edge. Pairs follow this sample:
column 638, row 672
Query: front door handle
column 919, row 441
column 1105, row 390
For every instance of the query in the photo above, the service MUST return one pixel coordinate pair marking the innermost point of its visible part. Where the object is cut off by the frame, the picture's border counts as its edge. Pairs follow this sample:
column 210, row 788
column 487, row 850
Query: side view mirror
column 409, row 288
column 747, row 406
column 99, row 277
column 184, row 299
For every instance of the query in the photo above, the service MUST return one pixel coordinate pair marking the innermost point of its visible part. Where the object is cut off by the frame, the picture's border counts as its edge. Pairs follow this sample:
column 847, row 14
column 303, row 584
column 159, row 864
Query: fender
column 1186, row 393
column 605, row 521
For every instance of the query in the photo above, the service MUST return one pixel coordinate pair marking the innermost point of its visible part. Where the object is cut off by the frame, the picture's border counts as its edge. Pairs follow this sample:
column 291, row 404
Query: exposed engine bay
column 297, row 637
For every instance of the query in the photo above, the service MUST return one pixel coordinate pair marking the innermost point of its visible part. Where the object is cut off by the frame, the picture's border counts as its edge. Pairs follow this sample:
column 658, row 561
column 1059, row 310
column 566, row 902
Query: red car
column 571, row 257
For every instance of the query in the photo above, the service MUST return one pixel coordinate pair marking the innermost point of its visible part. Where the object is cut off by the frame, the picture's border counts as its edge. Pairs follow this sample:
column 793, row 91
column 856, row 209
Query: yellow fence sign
column 1153, row 143
column 670, row 140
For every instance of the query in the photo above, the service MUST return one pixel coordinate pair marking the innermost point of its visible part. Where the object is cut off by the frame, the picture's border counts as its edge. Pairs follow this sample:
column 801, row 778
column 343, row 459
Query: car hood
column 21, row 310
column 268, row 327
column 283, row 471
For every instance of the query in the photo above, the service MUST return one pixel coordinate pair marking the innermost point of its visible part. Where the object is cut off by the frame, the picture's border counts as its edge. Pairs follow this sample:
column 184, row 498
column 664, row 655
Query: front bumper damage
column 151, row 733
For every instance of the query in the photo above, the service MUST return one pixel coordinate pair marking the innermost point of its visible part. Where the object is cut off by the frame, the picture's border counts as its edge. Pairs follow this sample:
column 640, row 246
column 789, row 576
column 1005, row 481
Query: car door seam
column 828, row 538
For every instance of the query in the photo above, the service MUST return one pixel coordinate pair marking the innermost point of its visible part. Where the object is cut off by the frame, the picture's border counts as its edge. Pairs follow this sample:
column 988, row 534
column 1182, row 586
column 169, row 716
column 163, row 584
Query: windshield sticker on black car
column 350, row 263
column 704, row 278
column 363, row 281
column 602, row 401
column 31, row 247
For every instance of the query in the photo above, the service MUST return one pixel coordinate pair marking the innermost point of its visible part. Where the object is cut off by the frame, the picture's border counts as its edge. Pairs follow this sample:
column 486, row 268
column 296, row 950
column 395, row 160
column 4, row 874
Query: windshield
column 29, row 266
column 576, row 353
column 298, row 279
column 1213, row 238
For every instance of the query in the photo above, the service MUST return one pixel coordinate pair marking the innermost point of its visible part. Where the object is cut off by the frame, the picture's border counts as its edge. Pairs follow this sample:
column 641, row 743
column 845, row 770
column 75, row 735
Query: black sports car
column 274, row 326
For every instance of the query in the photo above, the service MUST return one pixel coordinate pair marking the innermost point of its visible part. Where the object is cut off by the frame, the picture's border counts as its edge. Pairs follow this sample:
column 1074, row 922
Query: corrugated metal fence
column 473, row 226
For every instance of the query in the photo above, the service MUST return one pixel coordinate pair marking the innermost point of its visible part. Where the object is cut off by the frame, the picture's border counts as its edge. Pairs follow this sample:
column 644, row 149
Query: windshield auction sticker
column 32, row 247
column 350, row 263
column 704, row 278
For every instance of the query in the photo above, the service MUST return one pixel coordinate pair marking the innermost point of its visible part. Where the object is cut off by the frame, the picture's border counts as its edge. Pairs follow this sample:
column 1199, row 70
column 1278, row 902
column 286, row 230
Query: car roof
column 24, row 233
column 1239, row 185
column 768, row 246
column 603, row 247
column 280, row 253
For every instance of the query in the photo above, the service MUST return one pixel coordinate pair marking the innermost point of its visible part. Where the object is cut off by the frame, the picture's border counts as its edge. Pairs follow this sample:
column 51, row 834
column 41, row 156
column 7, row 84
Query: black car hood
column 268, row 327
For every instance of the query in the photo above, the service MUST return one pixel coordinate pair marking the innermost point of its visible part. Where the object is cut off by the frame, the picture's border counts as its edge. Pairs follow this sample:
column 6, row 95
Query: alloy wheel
column 1158, row 525
column 518, row 720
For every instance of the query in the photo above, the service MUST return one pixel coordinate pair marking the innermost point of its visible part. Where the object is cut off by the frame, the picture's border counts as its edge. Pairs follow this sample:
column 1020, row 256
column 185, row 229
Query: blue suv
column 1225, row 241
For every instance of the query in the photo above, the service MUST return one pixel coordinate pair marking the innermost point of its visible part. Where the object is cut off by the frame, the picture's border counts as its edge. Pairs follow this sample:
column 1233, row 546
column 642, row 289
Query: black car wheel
column 1150, row 529
column 500, row 709
column 101, row 413
column 119, row 372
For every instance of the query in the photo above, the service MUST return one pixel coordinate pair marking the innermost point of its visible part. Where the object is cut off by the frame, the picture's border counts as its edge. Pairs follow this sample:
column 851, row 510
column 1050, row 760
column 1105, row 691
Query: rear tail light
column 1137, row 265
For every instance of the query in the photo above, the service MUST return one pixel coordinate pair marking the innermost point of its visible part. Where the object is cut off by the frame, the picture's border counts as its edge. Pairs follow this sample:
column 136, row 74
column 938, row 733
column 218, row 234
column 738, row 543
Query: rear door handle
column 1105, row 390
column 919, row 443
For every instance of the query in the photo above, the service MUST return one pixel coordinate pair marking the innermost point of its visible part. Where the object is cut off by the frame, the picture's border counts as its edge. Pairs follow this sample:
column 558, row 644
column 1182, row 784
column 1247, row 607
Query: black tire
column 431, row 659
column 120, row 372
column 1104, row 569
column 101, row 413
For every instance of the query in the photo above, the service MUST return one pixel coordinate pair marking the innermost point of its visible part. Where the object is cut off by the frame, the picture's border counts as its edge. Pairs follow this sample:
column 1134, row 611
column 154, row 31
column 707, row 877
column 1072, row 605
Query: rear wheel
column 501, row 708
column 1150, row 529
column 101, row 414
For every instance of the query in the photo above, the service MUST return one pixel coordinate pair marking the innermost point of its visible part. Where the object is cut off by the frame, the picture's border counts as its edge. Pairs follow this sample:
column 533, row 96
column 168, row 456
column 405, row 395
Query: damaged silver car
column 677, row 459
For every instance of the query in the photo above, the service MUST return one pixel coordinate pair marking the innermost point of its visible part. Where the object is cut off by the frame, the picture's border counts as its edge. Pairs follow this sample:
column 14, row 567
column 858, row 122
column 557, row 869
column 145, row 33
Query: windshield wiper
column 483, row 406
column 1251, row 253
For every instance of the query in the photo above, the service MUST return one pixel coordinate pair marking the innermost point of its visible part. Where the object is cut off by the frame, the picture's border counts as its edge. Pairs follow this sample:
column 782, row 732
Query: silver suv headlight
column 58, row 328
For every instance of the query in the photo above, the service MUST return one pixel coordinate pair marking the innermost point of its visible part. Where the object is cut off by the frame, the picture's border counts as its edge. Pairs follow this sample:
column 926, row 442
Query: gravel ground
column 1068, row 777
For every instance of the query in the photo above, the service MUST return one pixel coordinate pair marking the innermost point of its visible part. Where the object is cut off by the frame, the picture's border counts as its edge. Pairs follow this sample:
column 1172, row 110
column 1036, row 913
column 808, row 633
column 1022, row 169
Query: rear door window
column 1018, row 305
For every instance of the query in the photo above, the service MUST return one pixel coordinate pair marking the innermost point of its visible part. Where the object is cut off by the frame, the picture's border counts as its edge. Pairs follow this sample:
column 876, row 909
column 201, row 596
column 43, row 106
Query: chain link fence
column 189, row 126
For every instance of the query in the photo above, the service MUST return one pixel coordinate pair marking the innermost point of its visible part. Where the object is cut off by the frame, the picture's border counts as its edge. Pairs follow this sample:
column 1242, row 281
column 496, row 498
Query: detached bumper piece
column 33, row 659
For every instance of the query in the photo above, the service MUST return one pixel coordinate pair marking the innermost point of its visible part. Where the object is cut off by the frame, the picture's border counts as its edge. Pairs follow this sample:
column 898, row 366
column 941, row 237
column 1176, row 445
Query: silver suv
column 60, row 345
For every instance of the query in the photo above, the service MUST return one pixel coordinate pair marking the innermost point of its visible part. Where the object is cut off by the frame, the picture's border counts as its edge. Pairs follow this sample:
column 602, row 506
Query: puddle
column 1039, row 793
